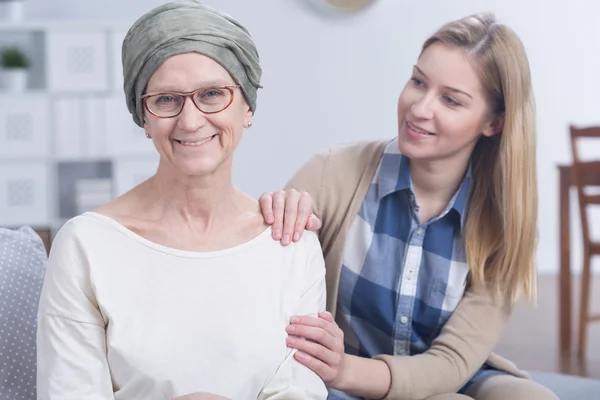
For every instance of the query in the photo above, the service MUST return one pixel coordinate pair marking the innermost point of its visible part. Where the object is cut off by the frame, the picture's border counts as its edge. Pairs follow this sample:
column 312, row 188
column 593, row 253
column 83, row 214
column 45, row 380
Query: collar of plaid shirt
column 388, row 183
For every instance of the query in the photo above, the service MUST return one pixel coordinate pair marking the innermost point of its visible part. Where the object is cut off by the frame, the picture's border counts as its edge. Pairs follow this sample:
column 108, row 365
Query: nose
column 191, row 118
column 423, row 106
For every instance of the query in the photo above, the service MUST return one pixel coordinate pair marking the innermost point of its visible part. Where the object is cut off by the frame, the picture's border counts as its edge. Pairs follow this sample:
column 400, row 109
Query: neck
column 435, row 182
column 206, row 202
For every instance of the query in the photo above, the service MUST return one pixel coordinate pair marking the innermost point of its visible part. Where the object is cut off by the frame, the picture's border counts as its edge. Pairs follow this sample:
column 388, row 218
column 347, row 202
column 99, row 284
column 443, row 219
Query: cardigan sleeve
column 310, row 178
column 461, row 348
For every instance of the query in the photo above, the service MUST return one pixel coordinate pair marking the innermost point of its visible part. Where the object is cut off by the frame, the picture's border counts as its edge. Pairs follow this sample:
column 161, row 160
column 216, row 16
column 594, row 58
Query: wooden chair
column 46, row 236
column 581, row 172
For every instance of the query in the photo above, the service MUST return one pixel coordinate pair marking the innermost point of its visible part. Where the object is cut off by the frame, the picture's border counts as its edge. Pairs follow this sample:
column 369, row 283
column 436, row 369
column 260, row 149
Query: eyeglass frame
column 190, row 95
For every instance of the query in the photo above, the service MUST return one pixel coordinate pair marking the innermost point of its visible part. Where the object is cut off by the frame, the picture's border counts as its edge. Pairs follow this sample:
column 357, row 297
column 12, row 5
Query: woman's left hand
column 323, row 352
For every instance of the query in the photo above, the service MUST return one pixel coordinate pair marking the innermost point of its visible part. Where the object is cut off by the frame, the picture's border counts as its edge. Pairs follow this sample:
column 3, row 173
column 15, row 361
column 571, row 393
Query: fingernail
column 291, row 328
column 277, row 233
column 291, row 341
column 286, row 239
column 294, row 319
column 300, row 354
column 296, row 236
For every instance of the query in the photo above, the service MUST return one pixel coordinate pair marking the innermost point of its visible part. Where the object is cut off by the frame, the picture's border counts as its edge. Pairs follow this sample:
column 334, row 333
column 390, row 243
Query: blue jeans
column 483, row 372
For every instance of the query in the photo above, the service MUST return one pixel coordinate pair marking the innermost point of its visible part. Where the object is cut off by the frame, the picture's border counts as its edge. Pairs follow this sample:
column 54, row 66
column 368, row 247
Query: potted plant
column 13, row 9
column 14, row 69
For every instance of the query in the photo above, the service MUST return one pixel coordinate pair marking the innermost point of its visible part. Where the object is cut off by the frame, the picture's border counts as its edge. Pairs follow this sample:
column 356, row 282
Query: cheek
column 230, row 129
column 459, row 124
column 402, row 105
column 230, row 124
column 408, row 97
column 159, row 127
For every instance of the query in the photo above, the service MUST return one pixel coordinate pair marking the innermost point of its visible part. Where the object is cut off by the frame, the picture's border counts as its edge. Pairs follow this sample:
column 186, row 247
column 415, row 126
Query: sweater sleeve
column 71, row 344
column 294, row 381
column 461, row 348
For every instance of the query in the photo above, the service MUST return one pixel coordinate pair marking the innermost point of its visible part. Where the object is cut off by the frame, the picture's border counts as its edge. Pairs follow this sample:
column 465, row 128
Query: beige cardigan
column 338, row 180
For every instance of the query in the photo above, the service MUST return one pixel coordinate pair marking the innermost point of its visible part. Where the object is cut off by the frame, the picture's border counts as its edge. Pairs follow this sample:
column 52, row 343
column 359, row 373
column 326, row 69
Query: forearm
column 365, row 377
column 462, row 347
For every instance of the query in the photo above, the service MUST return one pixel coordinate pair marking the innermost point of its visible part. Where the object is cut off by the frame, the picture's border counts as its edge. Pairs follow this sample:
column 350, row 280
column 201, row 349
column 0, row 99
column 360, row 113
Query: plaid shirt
column 400, row 279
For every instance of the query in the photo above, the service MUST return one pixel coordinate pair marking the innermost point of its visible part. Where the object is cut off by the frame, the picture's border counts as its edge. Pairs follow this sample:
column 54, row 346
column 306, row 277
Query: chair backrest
column 584, row 174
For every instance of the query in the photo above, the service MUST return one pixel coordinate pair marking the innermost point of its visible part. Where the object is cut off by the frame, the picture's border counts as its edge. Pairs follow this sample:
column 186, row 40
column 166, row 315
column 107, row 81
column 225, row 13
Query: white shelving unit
column 71, row 124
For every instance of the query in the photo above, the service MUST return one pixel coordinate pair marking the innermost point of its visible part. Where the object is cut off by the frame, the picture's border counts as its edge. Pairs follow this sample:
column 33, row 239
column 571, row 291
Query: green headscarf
column 186, row 26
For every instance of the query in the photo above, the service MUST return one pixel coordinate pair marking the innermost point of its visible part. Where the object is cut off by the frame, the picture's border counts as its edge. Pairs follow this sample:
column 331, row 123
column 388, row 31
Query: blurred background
column 68, row 144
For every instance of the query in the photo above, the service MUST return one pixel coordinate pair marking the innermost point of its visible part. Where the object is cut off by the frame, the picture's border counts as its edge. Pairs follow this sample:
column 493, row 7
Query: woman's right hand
column 290, row 212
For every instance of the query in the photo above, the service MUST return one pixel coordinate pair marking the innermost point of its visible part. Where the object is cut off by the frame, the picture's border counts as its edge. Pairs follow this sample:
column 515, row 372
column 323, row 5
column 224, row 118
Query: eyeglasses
column 209, row 100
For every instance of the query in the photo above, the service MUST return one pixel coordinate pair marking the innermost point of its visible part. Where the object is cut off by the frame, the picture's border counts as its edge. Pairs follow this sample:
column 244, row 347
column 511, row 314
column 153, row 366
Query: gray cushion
column 22, row 268
column 569, row 387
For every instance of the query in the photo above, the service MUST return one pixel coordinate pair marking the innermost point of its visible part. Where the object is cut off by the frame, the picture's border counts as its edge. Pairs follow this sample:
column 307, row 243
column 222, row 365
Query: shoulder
column 350, row 155
column 85, row 229
column 368, row 149
column 310, row 241
column 82, row 224
column 349, row 168
column 349, row 162
column 301, row 252
column 310, row 248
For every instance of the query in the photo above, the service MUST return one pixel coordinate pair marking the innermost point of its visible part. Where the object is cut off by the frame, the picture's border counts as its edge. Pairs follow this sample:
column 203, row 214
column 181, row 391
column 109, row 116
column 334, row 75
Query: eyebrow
column 207, row 84
column 447, row 87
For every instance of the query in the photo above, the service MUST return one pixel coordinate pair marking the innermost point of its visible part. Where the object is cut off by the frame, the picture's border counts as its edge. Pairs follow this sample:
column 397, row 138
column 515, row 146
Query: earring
column 249, row 125
column 148, row 136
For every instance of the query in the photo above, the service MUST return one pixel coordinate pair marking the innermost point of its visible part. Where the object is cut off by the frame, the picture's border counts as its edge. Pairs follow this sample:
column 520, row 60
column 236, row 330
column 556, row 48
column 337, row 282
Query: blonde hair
column 500, row 234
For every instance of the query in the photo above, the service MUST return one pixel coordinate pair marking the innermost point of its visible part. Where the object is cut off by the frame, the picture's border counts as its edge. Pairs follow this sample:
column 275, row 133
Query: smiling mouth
column 197, row 143
column 421, row 131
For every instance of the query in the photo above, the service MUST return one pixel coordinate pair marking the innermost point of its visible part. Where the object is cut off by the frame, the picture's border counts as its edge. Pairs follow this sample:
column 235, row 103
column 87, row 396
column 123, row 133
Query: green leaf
column 13, row 58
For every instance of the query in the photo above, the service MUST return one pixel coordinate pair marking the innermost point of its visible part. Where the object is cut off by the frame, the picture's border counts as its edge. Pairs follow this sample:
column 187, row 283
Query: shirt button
column 403, row 320
column 420, row 231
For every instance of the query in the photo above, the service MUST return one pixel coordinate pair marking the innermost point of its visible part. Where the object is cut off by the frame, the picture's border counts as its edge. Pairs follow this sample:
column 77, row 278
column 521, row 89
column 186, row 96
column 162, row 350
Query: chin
column 408, row 150
column 198, row 168
column 415, row 152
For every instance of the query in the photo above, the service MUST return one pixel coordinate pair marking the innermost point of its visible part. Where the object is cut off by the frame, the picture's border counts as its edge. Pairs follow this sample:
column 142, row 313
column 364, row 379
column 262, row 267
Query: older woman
column 177, row 287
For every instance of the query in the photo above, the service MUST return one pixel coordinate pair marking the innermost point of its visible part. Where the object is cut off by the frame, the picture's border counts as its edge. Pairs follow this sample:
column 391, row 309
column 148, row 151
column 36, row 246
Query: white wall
column 330, row 80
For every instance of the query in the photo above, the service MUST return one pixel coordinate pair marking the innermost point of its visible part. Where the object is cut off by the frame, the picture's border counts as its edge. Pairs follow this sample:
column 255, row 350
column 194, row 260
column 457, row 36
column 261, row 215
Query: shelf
column 28, row 92
column 68, row 141
column 61, row 25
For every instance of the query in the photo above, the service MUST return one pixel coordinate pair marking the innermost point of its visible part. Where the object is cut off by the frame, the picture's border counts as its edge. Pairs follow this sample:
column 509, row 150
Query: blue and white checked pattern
column 401, row 279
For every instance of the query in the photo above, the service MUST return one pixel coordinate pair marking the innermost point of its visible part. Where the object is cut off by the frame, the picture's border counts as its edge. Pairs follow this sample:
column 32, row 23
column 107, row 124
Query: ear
column 495, row 126
column 147, row 128
column 248, row 117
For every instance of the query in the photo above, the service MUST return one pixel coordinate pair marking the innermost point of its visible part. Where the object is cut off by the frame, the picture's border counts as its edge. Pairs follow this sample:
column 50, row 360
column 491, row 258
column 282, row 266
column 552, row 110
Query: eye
column 451, row 101
column 165, row 99
column 417, row 82
column 211, row 93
